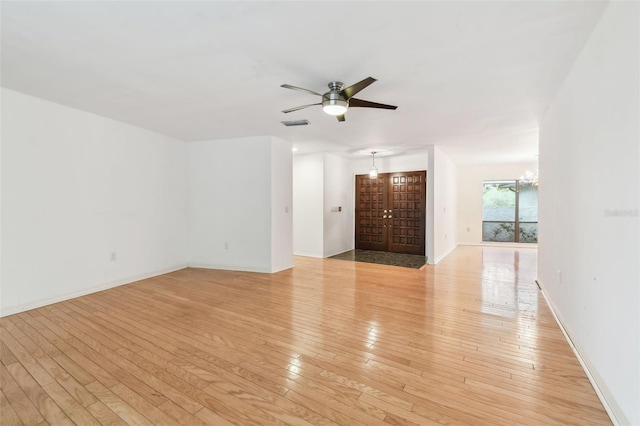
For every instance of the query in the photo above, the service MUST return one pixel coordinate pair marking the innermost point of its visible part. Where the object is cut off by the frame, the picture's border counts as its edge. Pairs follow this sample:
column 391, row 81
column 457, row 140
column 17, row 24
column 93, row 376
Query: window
column 510, row 211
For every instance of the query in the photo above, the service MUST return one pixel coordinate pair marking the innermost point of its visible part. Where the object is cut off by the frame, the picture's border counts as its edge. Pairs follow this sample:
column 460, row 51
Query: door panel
column 407, row 208
column 371, row 227
column 391, row 212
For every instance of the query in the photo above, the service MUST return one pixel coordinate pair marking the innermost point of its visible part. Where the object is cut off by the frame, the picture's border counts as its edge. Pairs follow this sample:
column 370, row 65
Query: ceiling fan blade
column 340, row 117
column 300, row 89
column 355, row 88
column 368, row 104
column 300, row 107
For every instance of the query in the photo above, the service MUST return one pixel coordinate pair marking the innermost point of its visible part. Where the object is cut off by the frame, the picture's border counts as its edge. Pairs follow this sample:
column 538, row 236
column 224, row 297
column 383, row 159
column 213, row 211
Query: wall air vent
column 295, row 123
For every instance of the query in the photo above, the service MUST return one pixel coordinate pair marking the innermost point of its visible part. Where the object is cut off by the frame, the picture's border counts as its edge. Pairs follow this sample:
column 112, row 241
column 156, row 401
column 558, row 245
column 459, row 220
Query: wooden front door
column 391, row 212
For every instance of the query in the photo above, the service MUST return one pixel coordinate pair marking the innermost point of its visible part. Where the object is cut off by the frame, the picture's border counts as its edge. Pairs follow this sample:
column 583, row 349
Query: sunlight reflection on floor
column 506, row 290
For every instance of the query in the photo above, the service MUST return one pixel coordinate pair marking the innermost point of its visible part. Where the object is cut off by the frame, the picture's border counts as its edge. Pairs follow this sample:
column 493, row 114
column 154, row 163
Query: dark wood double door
column 391, row 212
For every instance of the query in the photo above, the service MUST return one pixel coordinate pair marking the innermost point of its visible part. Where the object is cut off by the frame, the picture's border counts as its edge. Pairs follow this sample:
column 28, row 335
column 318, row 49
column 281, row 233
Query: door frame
column 385, row 206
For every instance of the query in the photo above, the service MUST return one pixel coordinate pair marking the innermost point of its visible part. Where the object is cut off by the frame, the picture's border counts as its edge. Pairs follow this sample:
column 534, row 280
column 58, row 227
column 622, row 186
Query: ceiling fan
column 339, row 98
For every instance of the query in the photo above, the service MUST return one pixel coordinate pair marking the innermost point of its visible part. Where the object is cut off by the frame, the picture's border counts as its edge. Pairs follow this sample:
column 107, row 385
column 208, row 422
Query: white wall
column 308, row 205
column 470, row 178
column 431, row 207
column 588, row 258
column 338, row 231
column 322, row 182
column 281, row 205
column 77, row 187
column 445, row 202
column 231, row 203
column 407, row 162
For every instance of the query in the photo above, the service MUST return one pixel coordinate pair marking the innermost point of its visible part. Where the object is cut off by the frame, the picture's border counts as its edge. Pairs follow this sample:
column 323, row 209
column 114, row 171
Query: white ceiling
column 471, row 77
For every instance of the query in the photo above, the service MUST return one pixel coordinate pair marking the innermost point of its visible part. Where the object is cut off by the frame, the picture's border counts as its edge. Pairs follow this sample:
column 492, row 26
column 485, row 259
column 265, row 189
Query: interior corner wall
column 87, row 203
column 230, row 204
column 281, row 205
column 430, row 229
column 589, row 201
column 470, row 189
column 445, row 203
column 308, row 205
column 338, row 207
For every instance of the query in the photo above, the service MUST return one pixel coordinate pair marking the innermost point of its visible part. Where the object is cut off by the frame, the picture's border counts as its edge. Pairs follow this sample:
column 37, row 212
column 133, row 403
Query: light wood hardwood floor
column 469, row 341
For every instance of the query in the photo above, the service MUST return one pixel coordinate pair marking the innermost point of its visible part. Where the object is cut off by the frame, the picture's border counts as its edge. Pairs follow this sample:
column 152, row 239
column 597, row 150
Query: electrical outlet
column 226, row 245
column 113, row 256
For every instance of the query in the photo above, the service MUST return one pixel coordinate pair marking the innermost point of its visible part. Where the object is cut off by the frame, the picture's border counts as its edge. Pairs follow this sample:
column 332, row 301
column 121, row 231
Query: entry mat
column 384, row 258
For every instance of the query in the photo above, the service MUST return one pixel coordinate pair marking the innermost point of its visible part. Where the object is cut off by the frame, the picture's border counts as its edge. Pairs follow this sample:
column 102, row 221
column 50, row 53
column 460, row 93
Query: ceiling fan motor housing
column 334, row 102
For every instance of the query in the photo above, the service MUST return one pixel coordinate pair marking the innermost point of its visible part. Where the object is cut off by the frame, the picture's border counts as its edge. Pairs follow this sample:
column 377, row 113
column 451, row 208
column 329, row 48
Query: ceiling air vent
column 295, row 123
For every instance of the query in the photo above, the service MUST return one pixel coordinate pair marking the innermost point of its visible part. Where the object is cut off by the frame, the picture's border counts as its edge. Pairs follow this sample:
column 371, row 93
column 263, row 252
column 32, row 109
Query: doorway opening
column 391, row 212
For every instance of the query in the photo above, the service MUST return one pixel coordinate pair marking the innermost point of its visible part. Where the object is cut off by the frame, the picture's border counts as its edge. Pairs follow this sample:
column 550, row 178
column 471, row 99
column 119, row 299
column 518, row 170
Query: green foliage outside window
column 498, row 196
column 501, row 214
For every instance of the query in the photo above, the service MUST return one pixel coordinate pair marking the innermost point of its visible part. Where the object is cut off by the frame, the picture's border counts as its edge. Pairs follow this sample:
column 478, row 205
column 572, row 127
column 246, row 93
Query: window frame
column 516, row 222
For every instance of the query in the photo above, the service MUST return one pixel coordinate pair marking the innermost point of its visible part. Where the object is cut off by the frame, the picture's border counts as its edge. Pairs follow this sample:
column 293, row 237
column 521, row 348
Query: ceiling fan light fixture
column 334, row 106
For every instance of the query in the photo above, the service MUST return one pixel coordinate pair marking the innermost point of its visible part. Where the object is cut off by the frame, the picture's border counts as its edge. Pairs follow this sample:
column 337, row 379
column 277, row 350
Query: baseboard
column 498, row 244
column 230, row 268
column 617, row 419
column 240, row 268
column 273, row 271
column 337, row 252
column 34, row 305
column 304, row 254
column 438, row 259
